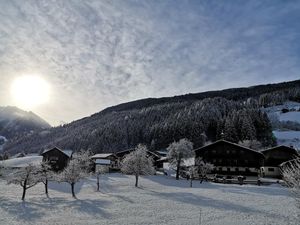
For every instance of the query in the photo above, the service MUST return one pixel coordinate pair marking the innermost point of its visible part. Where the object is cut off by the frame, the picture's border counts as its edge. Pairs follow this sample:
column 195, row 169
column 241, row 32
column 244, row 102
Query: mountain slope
column 15, row 122
column 157, row 122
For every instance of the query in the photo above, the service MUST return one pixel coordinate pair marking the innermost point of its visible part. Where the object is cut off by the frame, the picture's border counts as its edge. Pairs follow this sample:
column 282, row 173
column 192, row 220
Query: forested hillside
column 157, row 122
column 15, row 122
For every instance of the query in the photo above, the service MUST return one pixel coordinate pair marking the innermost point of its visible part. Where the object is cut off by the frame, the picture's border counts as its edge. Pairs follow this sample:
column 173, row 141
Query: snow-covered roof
column 21, row 162
column 230, row 143
column 67, row 152
column 102, row 155
column 280, row 146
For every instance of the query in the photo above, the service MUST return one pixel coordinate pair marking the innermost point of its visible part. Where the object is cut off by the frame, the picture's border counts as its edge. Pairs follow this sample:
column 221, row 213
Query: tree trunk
column 24, row 189
column 73, row 192
column 24, row 193
column 136, row 180
column 201, row 180
column 46, row 187
column 177, row 169
column 98, row 183
column 191, row 182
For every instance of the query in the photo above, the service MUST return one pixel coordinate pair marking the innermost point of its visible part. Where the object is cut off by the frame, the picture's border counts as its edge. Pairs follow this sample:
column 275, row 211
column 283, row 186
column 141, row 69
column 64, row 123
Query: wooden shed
column 108, row 160
column 57, row 157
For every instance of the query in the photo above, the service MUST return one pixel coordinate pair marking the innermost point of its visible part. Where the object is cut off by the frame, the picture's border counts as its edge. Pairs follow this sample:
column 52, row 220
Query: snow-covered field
column 159, row 200
column 21, row 162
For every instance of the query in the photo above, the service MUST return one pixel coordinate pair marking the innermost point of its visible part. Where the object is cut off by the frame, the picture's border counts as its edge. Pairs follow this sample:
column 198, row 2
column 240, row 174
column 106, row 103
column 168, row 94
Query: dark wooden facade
column 230, row 158
column 278, row 155
column 57, row 158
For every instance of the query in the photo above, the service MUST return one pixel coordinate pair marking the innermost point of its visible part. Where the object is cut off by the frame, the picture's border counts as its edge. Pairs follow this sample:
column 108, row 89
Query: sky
column 99, row 53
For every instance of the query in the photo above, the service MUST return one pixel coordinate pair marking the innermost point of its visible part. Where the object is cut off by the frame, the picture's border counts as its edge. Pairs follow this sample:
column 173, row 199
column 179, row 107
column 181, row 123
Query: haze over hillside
column 157, row 122
column 15, row 122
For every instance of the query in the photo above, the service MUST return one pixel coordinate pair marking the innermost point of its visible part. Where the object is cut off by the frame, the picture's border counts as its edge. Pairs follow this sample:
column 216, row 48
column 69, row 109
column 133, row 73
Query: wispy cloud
column 100, row 53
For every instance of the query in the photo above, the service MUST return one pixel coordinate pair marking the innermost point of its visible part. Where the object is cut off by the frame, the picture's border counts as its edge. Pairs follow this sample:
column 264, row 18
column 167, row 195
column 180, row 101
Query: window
column 236, row 169
column 220, row 168
column 228, row 152
column 271, row 169
column 214, row 151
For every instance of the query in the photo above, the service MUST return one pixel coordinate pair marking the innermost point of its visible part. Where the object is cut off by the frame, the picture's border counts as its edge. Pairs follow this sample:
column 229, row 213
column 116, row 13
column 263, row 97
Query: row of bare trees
column 136, row 163
column 29, row 176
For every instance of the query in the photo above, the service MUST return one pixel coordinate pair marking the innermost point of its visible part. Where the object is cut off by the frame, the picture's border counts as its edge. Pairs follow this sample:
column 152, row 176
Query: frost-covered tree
column 26, row 177
column 253, row 144
column 138, row 163
column 203, row 168
column 178, row 151
column 77, row 169
column 45, row 174
column 291, row 174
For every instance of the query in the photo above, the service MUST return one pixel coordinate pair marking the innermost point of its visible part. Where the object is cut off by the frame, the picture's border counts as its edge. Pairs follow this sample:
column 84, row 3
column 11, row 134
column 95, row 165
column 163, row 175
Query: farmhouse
column 108, row 160
column 274, row 157
column 58, row 158
column 230, row 158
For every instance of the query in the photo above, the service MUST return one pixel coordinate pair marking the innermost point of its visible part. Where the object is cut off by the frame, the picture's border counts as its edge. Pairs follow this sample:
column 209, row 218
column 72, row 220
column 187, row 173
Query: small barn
column 108, row 160
column 274, row 157
column 230, row 158
column 57, row 157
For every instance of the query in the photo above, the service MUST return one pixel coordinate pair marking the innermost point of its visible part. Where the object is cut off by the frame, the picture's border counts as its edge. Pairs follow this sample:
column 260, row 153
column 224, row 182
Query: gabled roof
column 66, row 152
column 230, row 143
column 102, row 155
column 132, row 149
column 281, row 146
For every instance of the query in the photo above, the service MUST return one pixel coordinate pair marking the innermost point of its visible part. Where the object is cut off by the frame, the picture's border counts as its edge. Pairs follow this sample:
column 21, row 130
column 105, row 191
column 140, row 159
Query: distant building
column 58, row 158
column 230, row 158
column 274, row 157
column 105, row 159
column 123, row 153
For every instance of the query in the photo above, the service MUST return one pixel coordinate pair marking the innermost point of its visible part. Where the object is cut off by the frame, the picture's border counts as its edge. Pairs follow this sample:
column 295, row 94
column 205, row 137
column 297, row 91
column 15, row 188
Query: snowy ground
column 160, row 200
column 21, row 162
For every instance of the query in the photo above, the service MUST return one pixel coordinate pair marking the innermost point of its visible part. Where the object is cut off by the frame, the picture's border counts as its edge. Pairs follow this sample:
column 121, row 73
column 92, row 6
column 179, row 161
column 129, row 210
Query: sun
column 29, row 91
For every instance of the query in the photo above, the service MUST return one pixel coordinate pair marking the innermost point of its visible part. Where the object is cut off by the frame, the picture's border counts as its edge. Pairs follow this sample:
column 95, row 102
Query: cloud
column 99, row 53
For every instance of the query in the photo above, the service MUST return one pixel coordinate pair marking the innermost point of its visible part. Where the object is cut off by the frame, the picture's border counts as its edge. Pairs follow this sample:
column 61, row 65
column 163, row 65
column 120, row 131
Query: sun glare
column 29, row 91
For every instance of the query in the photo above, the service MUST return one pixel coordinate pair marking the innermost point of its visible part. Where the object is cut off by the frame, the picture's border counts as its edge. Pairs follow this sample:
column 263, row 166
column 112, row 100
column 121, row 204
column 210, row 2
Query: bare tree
column 102, row 169
column 291, row 174
column 137, row 163
column 45, row 174
column 178, row 151
column 203, row 168
column 77, row 169
column 26, row 177
column 193, row 173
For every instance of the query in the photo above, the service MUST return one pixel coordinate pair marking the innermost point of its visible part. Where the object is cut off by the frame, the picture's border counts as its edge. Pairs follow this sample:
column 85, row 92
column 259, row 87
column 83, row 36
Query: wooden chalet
column 57, row 157
column 230, row 158
column 274, row 157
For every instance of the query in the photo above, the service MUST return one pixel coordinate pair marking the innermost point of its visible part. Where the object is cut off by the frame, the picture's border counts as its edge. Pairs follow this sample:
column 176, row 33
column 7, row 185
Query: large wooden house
column 276, row 156
column 230, row 158
column 57, row 157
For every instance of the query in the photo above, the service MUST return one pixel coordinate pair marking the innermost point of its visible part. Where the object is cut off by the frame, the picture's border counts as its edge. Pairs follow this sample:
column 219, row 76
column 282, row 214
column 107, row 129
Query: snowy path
column 160, row 200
